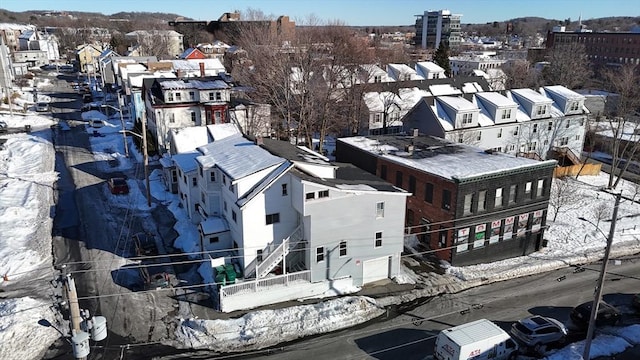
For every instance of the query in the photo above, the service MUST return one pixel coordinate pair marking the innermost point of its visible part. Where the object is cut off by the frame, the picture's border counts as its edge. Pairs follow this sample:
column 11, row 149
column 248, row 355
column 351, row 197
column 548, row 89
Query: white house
column 523, row 122
column 274, row 212
column 430, row 70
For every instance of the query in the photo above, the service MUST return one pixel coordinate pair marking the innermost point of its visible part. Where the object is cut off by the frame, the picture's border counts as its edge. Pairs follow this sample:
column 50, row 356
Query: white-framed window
column 285, row 191
column 380, row 209
column 234, row 216
column 323, row 194
column 212, row 96
column 482, row 200
column 512, row 194
column 568, row 123
column 468, row 204
column 479, row 137
column 194, row 181
column 512, row 147
column 550, row 126
column 515, row 131
column 540, row 187
column 460, row 138
column 527, row 190
column 378, row 239
column 320, row 254
column 377, row 118
column 218, row 95
column 192, row 95
column 498, row 200
column 193, row 116
column 564, row 141
column 541, row 109
column 212, row 176
column 343, row 248
column 500, row 132
column 172, row 118
column 310, row 196
column 506, row 114
column 178, row 96
column 535, row 128
column 169, row 96
column 467, row 118
column 578, row 137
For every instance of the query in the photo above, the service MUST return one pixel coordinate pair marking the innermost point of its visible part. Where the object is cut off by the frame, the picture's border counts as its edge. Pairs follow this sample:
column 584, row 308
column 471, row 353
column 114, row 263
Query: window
column 482, row 200
column 192, row 95
column 568, row 123
column 343, row 248
column 323, row 194
column 273, row 218
column 399, row 179
column 550, row 126
column 479, row 137
column 218, row 95
column 575, row 106
column 217, row 116
column 541, row 109
column 540, row 188
column 172, row 118
column 506, row 114
column 213, row 239
column 512, row 194
column 202, row 197
column 320, row 254
column 212, row 176
column 377, row 117
column 284, row 190
column 212, row 96
column 564, row 141
column 498, row 202
column 460, row 138
column 178, row 96
column 467, row 118
column 412, row 184
column 535, row 128
column 310, row 196
column 193, row 116
column 380, row 210
column 499, row 133
column 224, row 179
column 378, row 239
column 446, row 199
column 578, row 137
column 194, row 181
column 428, row 193
column 259, row 255
column 169, row 96
column 233, row 216
column 468, row 204
column 174, row 176
column 383, row 172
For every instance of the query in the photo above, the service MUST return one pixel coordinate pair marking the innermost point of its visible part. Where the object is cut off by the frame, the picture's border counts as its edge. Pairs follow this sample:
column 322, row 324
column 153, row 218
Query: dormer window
column 169, row 96
column 541, row 109
column 574, row 106
column 178, row 97
column 377, row 79
column 467, row 118
column 506, row 114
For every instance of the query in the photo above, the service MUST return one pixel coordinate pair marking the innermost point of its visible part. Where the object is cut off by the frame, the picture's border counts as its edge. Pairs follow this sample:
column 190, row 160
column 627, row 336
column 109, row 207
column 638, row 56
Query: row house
column 522, row 122
column 467, row 205
column 86, row 58
column 35, row 40
column 167, row 42
column 10, row 34
column 177, row 103
column 265, row 207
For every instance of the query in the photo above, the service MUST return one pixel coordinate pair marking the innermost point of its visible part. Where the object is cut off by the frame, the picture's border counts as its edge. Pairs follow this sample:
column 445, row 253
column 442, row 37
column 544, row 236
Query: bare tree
column 519, row 74
column 601, row 212
column 562, row 196
column 568, row 66
column 623, row 120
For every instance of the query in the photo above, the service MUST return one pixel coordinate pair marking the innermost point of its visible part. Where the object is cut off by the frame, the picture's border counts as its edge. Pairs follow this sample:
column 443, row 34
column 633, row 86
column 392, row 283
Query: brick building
column 468, row 205
column 602, row 48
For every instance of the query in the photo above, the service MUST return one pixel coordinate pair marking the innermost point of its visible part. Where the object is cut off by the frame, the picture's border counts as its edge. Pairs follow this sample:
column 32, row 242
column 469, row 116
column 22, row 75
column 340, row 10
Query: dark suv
column 607, row 315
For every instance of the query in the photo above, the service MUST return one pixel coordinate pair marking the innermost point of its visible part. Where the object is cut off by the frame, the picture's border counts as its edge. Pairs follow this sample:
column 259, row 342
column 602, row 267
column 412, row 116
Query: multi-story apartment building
column 265, row 207
column 466, row 64
column 467, row 205
column 157, row 42
column 522, row 122
column 432, row 27
column 602, row 48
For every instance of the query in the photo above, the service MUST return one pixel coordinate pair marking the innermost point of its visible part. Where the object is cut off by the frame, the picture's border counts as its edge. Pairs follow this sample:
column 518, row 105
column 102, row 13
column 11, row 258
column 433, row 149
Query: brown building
column 602, row 48
column 467, row 205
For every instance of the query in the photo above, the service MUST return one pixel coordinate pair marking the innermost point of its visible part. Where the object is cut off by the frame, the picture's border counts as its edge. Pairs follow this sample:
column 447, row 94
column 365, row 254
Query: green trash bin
column 220, row 277
column 231, row 273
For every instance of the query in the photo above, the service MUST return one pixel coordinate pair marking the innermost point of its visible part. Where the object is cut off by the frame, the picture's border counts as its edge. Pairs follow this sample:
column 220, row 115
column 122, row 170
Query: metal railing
column 277, row 254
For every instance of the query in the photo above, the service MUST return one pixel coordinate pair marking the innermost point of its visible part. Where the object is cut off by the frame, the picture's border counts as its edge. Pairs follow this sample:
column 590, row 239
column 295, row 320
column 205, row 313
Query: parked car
column 608, row 315
column 118, row 185
column 480, row 340
column 145, row 244
column 42, row 107
column 96, row 123
column 536, row 331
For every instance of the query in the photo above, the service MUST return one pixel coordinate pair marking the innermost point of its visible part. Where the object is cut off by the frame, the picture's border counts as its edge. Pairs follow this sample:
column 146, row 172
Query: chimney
column 179, row 74
column 201, row 69
column 259, row 141
column 415, row 132
column 409, row 149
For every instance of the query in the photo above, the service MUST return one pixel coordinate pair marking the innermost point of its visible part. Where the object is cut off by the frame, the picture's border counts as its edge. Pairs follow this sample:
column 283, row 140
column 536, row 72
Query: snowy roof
column 441, row 157
column 213, row 225
column 457, row 103
column 221, row 131
column 136, row 80
column 193, row 84
column 186, row 161
column 430, row 66
column 237, row 156
column 189, row 138
column 396, row 70
column 194, row 64
column 563, row 92
column 496, row 99
column 471, row 87
column 532, row 95
column 443, row 89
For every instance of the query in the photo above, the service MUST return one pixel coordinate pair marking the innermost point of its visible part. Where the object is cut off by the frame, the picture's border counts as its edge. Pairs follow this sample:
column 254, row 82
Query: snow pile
column 607, row 342
column 259, row 329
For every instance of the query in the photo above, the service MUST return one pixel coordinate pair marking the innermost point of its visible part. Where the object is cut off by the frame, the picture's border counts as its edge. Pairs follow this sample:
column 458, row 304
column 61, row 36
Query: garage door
column 376, row 269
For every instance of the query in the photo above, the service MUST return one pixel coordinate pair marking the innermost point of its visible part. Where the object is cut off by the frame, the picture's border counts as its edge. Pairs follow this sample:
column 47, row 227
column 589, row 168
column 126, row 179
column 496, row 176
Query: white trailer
column 478, row 340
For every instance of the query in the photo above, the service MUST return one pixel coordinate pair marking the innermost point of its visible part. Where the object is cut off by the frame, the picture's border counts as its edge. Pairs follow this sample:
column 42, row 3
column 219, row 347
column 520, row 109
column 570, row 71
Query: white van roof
column 472, row 332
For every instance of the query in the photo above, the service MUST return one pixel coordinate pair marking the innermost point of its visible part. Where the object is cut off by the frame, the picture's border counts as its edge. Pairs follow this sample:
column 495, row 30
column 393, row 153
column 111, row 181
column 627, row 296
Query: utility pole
column 146, row 157
column 603, row 271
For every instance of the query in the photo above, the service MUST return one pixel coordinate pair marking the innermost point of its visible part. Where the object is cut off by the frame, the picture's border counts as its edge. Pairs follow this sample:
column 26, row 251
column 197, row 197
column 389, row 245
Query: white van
column 478, row 340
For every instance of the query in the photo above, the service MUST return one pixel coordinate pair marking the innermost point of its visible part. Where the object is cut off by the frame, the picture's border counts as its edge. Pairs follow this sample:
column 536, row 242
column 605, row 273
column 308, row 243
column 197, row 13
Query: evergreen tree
column 441, row 57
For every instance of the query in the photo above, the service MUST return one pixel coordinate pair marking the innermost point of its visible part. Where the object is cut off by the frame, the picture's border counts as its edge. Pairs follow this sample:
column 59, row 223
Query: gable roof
column 192, row 53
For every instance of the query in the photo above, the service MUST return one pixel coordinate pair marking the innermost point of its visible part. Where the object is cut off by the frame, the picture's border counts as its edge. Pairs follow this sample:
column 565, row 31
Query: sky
column 24, row 213
column 352, row 12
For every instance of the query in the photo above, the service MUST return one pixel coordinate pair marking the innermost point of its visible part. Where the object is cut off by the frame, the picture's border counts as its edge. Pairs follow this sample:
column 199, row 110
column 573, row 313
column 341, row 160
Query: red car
column 118, row 186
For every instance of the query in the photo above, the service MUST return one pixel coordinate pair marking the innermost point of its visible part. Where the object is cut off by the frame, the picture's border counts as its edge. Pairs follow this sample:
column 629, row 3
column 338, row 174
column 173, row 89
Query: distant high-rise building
column 432, row 27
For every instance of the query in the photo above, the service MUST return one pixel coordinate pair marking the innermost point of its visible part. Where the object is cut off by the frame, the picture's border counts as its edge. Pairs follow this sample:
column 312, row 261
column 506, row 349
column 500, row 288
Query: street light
column 603, row 271
column 124, row 136
column 146, row 159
